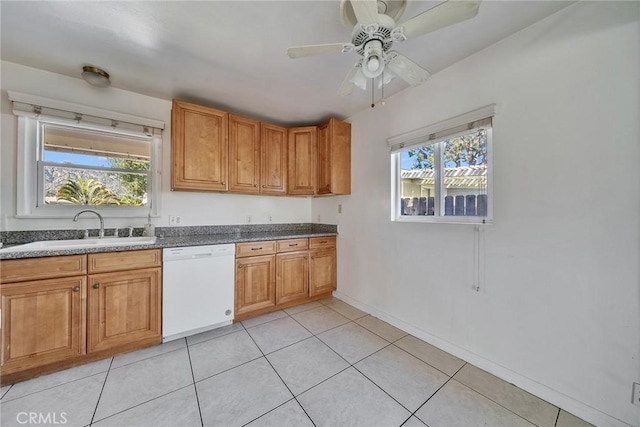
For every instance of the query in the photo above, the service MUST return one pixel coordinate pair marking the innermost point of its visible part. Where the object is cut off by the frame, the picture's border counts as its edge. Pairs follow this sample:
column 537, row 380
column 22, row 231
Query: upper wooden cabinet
column 273, row 157
column 199, row 145
column 244, row 155
column 303, row 145
column 334, row 158
column 216, row 151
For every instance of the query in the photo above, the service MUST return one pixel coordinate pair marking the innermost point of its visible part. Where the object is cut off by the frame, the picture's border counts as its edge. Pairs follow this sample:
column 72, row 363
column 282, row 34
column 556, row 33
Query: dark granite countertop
column 191, row 236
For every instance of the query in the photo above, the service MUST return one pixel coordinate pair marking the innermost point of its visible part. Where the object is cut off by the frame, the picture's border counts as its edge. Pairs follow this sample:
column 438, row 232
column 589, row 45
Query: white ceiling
column 231, row 54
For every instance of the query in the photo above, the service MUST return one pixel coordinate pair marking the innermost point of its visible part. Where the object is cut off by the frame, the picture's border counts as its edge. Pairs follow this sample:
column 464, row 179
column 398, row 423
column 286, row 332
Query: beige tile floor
column 324, row 364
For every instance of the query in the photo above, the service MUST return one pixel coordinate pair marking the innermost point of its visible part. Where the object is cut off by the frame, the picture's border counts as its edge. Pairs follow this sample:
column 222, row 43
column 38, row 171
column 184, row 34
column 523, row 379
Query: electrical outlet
column 339, row 208
column 175, row 220
column 635, row 398
column 248, row 219
column 270, row 218
column 319, row 218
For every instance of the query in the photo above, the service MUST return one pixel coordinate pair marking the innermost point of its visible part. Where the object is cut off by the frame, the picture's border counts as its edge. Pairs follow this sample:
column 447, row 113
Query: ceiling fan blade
column 443, row 15
column 406, row 69
column 366, row 11
column 347, row 86
column 319, row 49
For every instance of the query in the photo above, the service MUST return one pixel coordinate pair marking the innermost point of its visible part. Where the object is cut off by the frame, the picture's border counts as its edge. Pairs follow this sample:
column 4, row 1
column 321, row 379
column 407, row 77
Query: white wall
column 195, row 208
column 558, row 309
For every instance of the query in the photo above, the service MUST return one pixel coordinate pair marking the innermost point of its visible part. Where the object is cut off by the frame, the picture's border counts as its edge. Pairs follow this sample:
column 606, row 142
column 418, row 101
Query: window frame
column 29, row 164
column 426, row 136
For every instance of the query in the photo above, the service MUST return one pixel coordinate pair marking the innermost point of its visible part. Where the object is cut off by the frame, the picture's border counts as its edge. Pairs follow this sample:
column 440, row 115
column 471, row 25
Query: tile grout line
column 491, row 400
column 5, row 393
column 138, row 404
column 146, row 358
column 106, row 377
column 142, row 403
column 373, row 332
column 434, row 367
column 283, row 382
column 413, row 414
column 498, row 403
column 193, row 378
column 376, row 384
column 51, row 387
column 557, row 418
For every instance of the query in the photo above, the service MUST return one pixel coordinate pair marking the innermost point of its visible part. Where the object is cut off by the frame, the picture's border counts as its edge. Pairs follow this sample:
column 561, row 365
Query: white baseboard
column 561, row 400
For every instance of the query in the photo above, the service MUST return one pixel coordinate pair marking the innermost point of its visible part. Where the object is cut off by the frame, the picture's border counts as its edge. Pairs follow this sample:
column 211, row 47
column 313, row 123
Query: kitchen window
column 442, row 172
column 68, row 160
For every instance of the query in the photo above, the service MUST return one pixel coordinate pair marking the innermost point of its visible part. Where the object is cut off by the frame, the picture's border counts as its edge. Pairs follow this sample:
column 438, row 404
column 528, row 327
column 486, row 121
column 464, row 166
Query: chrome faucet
column 101, row 234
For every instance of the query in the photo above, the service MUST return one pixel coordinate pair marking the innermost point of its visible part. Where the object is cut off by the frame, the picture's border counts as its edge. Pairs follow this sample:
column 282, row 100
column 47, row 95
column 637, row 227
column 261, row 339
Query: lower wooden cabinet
column 283, row 273
column 292, row 276
column 322, row 271
column 52, row 320
column 123, row 307
column 322, row 265
column 43, row 321
column 255, row 283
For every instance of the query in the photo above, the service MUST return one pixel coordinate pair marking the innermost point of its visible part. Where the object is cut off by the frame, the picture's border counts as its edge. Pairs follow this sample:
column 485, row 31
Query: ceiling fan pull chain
column 373, row 89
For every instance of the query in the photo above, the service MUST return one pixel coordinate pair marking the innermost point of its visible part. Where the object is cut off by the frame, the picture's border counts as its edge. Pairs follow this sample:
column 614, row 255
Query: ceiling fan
column 374, row 33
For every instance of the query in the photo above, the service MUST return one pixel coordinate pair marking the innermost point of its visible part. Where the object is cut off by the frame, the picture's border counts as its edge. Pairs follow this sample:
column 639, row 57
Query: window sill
column 444, row 220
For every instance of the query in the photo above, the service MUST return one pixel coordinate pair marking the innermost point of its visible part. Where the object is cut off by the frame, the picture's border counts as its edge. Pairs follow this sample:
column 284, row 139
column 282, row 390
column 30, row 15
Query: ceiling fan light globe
column 373, row 64
column 373, row 67
column 359, row 80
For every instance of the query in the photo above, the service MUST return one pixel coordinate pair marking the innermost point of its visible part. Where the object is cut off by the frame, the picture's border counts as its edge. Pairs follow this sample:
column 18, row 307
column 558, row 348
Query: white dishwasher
column 197, row 289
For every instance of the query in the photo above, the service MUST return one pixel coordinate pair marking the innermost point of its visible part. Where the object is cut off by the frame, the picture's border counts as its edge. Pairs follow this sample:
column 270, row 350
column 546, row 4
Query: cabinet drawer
column 255, row 248
column 20, row 270
column 291, row 245
column 126, row 260
column 322, row 242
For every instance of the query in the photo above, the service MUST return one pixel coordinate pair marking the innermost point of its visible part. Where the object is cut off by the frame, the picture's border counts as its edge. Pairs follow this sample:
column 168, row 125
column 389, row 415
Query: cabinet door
column 273, row 169
column 322, row 271
column 199, row 144
column 302, row 160
column 334, row 158
column 255, row 283
column 292, row 276
column 324, row 160
column 123, row 308
column 244, row 155
column 43, row 321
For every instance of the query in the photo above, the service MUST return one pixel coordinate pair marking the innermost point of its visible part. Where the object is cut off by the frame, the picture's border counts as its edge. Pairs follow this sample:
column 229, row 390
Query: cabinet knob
column 96, row 286
column 76, row 289
column 223, row 183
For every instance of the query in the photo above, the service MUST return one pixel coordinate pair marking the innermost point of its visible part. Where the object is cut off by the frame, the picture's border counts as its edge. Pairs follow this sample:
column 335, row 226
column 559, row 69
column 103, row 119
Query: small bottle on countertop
column 149, row 228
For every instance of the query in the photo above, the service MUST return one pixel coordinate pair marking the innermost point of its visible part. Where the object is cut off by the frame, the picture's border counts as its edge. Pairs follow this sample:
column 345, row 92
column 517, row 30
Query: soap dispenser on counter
column 149, row 228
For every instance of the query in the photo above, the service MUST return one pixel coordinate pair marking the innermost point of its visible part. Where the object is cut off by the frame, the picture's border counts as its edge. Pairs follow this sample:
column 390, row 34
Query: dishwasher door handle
column 207, row 255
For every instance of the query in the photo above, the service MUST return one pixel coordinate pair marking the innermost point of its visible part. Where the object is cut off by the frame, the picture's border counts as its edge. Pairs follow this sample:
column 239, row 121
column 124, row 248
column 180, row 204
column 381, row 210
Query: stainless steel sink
column 53, row 245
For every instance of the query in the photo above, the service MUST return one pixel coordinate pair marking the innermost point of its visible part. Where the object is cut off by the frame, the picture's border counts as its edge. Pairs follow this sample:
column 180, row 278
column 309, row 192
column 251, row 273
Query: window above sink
column 72, row 156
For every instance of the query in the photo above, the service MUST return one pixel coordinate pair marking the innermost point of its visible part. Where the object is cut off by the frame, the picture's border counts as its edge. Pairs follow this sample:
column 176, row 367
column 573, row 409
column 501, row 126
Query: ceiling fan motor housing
column 381, row 31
